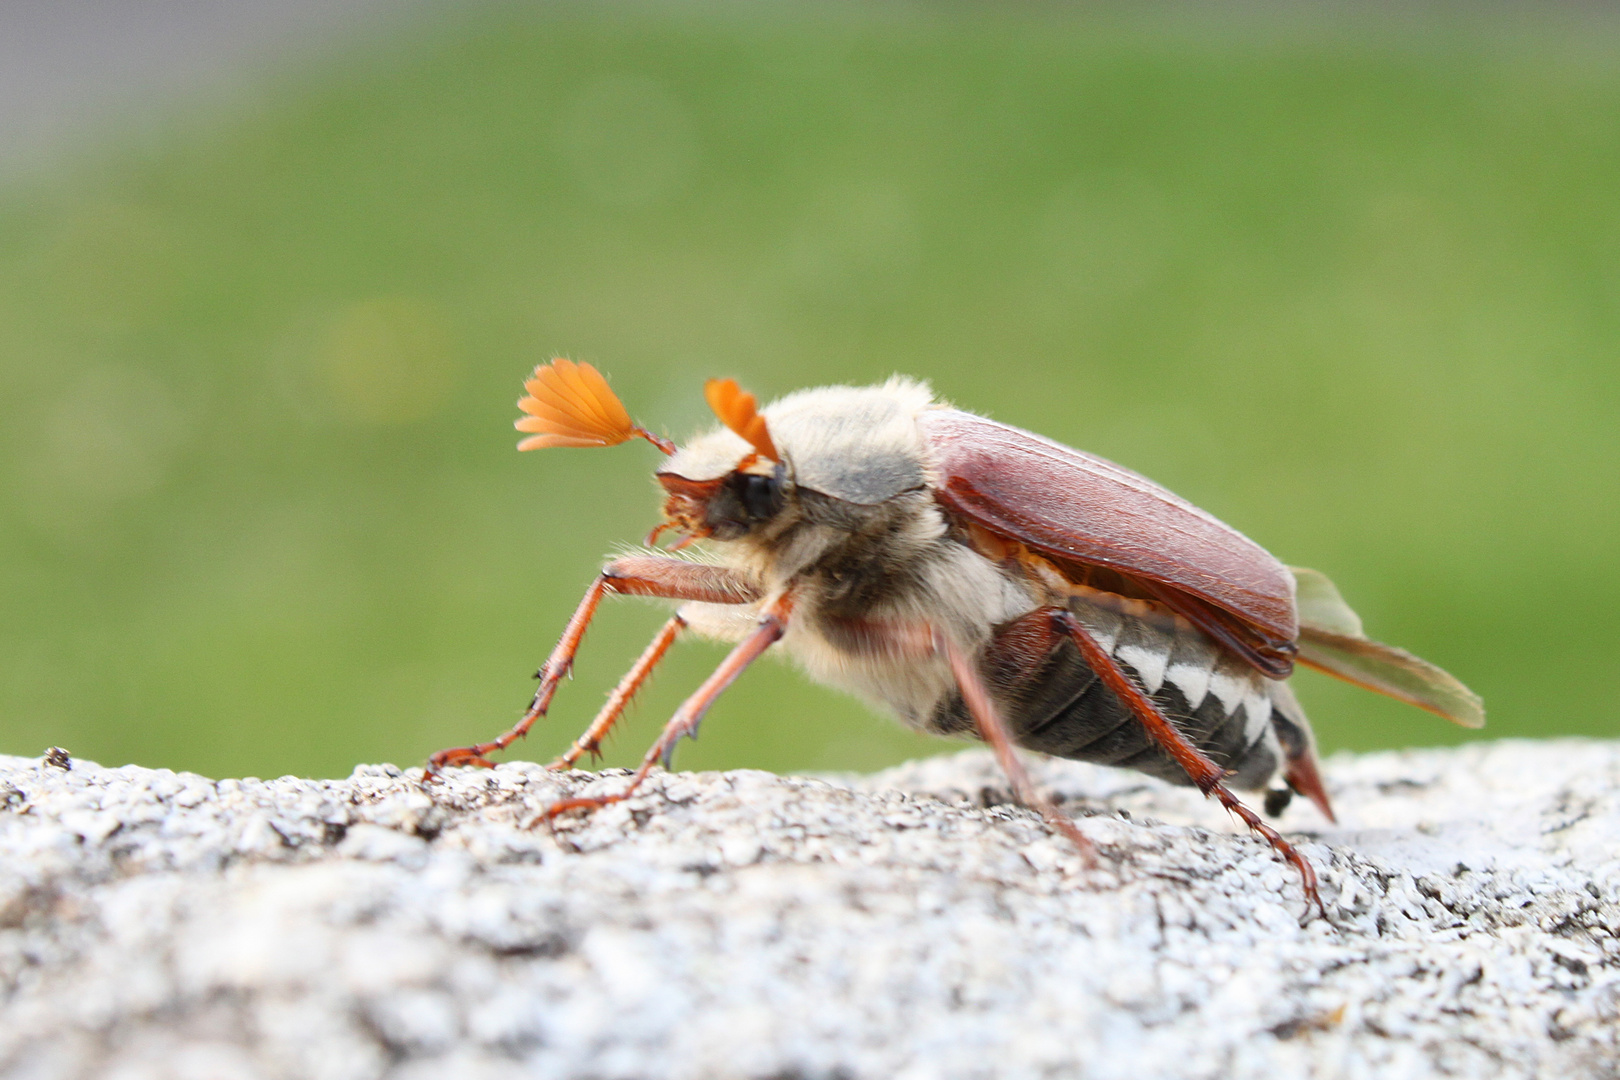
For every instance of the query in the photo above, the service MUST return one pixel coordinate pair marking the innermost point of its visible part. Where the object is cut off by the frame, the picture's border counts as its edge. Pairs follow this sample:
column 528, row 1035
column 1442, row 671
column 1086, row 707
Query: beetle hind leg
column 1204, row 773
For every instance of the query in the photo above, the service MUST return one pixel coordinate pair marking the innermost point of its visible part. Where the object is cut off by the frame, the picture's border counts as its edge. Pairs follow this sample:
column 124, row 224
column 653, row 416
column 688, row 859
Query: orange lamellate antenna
column 739, row 411
column 571, row 404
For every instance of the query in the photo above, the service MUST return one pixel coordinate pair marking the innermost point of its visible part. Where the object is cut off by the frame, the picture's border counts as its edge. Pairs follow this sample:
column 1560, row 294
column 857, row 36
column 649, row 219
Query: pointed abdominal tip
column 571, row 404
column 739, row 411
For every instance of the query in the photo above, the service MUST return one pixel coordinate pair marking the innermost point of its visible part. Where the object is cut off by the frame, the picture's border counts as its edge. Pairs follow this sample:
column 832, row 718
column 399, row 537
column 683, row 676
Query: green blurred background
column 1352, row 283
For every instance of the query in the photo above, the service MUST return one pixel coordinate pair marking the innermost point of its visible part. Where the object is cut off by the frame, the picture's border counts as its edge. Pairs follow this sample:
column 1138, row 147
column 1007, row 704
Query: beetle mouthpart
column 685, row 509
column 739, row 411
column 689, row 534
column 571, row 404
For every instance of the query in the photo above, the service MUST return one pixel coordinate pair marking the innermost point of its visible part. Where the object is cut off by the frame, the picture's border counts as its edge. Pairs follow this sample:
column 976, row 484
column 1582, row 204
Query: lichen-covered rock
column 909, row 924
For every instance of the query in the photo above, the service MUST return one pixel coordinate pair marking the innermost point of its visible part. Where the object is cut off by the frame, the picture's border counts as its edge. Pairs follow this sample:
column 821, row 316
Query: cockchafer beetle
column 973, row 579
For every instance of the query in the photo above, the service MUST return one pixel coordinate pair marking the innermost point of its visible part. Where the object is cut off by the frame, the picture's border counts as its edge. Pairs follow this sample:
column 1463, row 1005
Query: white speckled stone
column 907, row 925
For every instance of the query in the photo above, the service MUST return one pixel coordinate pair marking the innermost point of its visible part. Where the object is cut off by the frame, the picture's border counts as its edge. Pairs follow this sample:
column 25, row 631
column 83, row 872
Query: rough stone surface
column 906, row 925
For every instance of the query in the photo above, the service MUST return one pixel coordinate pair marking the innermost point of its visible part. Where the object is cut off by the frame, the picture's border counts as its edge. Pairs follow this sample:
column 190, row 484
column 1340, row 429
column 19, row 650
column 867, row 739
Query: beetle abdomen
column 1057, row 705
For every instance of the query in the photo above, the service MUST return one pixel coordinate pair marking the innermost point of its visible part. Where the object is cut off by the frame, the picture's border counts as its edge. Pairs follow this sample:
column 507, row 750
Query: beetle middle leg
column 993, row 729
column 1204, row 773
column 918, row 641
column 633, row 575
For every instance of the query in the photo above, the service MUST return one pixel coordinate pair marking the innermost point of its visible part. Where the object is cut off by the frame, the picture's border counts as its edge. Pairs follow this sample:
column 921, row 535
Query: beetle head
column 731, row 482
column 826, row 455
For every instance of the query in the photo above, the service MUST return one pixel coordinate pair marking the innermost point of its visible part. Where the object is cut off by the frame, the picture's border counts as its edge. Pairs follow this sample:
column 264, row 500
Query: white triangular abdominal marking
column 1229, row 689
column 1192, row 680
column 1149, row 664
column 1257, row 712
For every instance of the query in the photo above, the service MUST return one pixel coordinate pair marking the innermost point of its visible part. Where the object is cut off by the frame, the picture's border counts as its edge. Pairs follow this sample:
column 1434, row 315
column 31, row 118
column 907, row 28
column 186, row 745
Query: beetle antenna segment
column 739, row 411
column 571, row 404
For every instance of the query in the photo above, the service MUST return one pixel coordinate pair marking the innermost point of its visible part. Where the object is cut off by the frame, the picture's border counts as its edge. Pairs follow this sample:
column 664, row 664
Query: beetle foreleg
column 634, row 575
column 591, row 741
column 993, row 729
column 1204, row 773
column 772, row 625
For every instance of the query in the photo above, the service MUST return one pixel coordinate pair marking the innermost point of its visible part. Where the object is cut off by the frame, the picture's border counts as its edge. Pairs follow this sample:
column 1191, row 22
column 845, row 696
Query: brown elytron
column 975, row 579
column 1102, row 515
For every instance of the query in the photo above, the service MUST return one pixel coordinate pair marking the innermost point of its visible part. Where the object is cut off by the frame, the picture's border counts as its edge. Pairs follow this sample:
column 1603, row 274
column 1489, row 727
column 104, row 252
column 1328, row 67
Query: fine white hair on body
column 728, row 623
column 1102, row 623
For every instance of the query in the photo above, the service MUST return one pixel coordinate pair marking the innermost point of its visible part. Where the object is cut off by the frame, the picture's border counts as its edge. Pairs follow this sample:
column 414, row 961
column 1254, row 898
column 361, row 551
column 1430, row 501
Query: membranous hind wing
column 1331, row 640
column 1091, row 517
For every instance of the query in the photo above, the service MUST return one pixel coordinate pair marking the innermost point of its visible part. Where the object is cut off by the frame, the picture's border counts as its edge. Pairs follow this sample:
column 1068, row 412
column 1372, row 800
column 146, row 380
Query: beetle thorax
column 848, row 520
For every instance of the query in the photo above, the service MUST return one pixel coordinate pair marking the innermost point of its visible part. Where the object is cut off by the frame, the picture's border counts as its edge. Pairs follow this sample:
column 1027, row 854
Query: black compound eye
column 761, row 496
